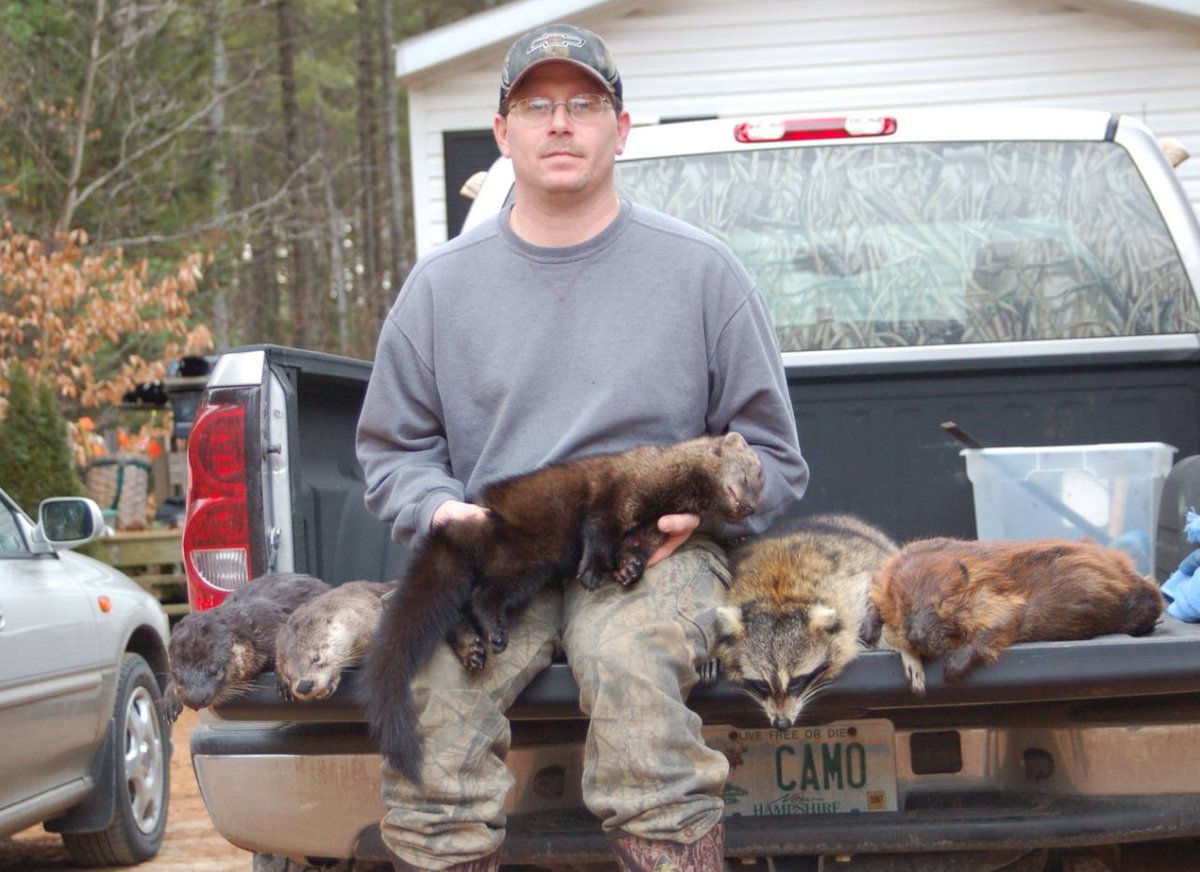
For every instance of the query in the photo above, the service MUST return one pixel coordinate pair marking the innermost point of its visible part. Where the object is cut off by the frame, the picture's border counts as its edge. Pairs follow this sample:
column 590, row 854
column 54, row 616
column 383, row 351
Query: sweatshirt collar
column 565, row 253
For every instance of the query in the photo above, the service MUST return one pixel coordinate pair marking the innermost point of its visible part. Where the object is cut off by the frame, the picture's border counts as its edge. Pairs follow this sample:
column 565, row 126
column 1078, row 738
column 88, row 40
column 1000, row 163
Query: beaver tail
column 427, row 604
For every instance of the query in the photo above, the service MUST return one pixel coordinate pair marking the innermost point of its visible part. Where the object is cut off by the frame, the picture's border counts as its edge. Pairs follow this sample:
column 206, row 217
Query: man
column 572, row 324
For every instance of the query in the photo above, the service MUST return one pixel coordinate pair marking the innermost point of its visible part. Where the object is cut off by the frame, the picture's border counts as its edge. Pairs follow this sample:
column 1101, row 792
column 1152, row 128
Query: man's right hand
column 456, row 510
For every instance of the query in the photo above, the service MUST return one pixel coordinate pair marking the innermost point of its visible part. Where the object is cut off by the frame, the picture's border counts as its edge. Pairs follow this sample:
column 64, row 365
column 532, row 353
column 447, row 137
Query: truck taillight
column 815, row 128
column 219, row 539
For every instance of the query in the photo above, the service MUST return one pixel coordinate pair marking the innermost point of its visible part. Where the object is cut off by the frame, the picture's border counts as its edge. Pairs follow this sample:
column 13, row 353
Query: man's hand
column 677, row 528
column 456, row 510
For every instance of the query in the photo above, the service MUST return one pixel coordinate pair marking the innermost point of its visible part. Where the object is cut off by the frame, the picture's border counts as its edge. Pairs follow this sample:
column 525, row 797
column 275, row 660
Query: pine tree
column 35, row 460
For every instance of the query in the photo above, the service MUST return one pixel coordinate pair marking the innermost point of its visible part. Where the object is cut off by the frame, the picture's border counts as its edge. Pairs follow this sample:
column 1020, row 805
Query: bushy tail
column 415, row 620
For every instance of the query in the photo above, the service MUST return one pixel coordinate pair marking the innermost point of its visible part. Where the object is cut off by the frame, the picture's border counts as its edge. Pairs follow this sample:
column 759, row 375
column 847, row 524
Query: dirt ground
column 192, row 843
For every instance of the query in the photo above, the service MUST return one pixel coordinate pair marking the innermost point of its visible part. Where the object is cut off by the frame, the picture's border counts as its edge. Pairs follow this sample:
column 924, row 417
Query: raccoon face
column 783, row 661
column 784, row 695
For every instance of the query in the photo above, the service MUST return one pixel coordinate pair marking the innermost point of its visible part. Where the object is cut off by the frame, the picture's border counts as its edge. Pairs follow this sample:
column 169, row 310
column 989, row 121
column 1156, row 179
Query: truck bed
column 869, row 428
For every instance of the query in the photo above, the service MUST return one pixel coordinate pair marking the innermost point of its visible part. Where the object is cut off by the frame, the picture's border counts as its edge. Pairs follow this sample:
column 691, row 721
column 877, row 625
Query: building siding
column 683, row 58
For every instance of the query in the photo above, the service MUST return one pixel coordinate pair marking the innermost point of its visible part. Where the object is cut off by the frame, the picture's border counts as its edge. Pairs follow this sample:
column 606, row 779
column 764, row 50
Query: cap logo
column 555, row 43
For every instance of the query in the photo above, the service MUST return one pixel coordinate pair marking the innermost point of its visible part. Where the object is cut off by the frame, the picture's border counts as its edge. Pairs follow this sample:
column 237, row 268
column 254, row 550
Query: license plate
column 840, row 767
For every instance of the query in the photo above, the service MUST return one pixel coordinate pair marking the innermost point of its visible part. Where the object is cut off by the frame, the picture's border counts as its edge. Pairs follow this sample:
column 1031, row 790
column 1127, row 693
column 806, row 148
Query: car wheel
column 141, row 779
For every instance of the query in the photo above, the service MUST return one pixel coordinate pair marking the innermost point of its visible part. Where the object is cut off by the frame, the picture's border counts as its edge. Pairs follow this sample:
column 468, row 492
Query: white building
column 690, row 58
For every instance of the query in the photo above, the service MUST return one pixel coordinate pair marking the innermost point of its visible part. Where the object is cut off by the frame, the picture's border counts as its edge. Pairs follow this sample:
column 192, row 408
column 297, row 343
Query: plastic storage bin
column 1108, row 493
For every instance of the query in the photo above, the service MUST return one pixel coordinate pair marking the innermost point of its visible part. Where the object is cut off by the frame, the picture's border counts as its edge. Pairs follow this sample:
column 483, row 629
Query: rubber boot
column 706, row 854
column 490, row 863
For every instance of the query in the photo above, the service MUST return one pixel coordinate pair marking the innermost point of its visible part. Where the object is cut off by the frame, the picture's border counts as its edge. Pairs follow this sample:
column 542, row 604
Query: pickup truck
column 1031, row 275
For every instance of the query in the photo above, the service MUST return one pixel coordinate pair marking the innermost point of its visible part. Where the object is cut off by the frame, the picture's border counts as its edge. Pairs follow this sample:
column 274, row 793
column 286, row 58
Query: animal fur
column 798, row 610
column 594, row 518
column 971, row 600
column 216, row 654
column 326, row 635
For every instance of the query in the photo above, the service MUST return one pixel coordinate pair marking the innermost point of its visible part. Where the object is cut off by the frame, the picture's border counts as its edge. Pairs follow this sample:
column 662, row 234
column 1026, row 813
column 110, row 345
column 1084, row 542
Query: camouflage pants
column 634, row 653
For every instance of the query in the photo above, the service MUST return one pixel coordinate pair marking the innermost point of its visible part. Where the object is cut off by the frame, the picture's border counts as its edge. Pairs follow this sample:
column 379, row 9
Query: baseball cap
column 559, row 42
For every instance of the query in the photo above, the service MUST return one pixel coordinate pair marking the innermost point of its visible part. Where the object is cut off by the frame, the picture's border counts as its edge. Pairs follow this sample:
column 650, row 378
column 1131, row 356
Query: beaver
column 970, row 600
column 324, row 636
column 216, row 654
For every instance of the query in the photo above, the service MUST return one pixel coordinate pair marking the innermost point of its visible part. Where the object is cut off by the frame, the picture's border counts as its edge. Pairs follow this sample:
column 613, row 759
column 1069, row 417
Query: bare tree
column 151, row 124
column 398, row 262
column 337, row 268
column 147, row 122
column 368, row 126
column 220, row 168
column 71, row 197
column 302, row 304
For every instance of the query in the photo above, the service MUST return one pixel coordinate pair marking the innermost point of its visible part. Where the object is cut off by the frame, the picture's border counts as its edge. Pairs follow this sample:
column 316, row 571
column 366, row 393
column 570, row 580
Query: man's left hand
column 677, row 528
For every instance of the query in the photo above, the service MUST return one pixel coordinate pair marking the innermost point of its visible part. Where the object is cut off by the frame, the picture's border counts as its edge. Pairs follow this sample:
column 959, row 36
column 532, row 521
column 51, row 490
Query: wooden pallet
column 152, row 558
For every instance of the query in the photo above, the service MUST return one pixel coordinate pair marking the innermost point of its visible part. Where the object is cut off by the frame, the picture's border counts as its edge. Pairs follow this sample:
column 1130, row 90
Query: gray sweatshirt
column 500, row 357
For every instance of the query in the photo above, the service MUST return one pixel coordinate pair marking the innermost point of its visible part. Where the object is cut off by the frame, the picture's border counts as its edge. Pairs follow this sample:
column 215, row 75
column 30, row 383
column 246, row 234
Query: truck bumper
column 311, row 791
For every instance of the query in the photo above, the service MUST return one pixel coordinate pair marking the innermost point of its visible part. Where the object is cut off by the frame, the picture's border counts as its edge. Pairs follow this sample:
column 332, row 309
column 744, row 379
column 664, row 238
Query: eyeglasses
column 581, row 107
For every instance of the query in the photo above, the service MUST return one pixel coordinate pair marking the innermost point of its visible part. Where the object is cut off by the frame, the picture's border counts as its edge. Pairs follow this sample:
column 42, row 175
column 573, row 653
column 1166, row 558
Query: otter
column 593, row 518
column 326, row 635
column 971, row 600
column 214, row 655
column 798, row 610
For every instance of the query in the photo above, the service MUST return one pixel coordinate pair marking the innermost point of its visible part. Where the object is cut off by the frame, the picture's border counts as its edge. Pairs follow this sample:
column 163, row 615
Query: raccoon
column 798, row 610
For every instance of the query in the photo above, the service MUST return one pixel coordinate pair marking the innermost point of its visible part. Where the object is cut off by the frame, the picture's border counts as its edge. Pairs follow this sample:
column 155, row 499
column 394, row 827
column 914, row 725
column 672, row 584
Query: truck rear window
column 921, row 244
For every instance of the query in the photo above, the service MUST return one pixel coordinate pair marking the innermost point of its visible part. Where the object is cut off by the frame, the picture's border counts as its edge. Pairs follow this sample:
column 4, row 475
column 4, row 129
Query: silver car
column 83, row 659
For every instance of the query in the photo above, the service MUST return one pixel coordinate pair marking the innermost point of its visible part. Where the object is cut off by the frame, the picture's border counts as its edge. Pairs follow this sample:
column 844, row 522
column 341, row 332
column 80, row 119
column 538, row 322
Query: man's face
column 561, row 155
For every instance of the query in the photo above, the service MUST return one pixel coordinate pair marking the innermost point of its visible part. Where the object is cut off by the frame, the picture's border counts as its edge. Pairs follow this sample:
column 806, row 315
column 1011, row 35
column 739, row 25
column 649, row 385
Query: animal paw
column 871, row 629
column 957, row 666
column 629, row 569
column 498, row 639
column 914, row 671
column 283, row 688
column 710, row 671
column 473, row 653
column 469, row 646
column 172, row 705
column 589, row 578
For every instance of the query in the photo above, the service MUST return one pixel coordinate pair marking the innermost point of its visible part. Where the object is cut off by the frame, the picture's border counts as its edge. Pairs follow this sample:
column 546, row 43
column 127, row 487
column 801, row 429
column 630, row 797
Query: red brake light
column 815, row 128
column 221, row 448
column 216, row 536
